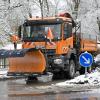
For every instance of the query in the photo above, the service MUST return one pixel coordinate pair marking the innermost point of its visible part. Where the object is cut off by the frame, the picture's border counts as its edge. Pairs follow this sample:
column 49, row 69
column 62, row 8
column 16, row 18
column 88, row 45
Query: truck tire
column 71, row 70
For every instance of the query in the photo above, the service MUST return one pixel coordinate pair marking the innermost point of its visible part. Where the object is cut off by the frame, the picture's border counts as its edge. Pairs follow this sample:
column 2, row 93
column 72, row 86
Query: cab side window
column 67, row 30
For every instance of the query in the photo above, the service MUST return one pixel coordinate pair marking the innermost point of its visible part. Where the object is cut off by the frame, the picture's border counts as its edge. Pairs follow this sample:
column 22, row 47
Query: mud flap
column 24, row 61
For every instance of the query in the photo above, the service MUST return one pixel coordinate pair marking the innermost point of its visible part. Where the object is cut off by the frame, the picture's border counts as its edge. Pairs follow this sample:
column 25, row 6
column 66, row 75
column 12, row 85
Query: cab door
column 67, row 39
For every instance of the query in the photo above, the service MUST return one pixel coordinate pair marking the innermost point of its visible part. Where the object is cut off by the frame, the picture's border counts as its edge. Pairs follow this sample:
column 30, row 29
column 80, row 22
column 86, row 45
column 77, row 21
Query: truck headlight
column 58, row 61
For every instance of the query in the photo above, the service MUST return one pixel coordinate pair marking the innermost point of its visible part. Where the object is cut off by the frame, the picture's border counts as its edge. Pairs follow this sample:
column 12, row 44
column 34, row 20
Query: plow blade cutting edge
column 24, row 61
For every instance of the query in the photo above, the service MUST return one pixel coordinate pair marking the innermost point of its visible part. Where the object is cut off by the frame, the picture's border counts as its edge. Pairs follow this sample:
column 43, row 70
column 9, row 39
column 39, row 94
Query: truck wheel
column 71, row 70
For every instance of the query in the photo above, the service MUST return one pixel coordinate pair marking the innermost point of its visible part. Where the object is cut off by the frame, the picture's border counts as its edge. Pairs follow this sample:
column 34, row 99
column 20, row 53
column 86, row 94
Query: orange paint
column 32, row 62
column 63, row 46
column 88, row 45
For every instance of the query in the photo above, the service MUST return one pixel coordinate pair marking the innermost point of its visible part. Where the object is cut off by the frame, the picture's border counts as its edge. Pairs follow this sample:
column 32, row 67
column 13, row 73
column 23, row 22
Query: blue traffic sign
column 85, row 59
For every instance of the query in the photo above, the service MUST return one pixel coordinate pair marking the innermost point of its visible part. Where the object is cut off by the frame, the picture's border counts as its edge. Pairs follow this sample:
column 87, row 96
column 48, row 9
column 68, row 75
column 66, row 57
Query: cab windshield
column 42, row 30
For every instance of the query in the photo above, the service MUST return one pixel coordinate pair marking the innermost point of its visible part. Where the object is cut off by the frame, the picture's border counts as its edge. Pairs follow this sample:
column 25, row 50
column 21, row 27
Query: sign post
column 85, row 60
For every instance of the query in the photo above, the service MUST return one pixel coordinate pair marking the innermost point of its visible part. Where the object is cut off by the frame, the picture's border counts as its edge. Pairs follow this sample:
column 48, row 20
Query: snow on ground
column 90, row 78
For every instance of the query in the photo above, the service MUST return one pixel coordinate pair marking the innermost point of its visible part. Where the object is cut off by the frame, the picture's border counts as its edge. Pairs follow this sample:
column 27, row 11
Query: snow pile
column 92, row 78
column 97, row 58
column 45, row 78
column 3, row 73
column 11, row 46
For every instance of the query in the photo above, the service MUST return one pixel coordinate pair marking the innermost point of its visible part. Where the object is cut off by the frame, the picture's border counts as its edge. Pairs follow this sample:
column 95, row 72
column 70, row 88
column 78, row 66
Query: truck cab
column 53, row 36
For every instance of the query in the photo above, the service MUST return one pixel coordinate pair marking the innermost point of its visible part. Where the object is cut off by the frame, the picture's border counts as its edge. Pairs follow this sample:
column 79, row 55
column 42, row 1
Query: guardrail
column 4, row 63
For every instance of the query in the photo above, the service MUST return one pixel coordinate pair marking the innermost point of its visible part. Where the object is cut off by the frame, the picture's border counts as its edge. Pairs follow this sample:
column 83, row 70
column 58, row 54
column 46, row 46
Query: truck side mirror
column 14, row 38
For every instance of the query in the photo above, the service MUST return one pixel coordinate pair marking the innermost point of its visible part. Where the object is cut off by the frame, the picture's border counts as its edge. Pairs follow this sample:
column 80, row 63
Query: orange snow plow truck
column 51, row 44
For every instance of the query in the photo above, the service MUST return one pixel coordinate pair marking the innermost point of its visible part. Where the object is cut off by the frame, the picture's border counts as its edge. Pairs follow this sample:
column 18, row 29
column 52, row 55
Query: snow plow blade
column 24, row 61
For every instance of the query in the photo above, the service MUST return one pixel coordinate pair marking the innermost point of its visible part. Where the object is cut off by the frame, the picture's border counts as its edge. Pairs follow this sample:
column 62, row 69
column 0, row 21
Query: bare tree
column 56, row 6
column 47, row 5
column 9, row 20
column 44, row 7
column 69, row 3
column 41, row 7
column 76, row 7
